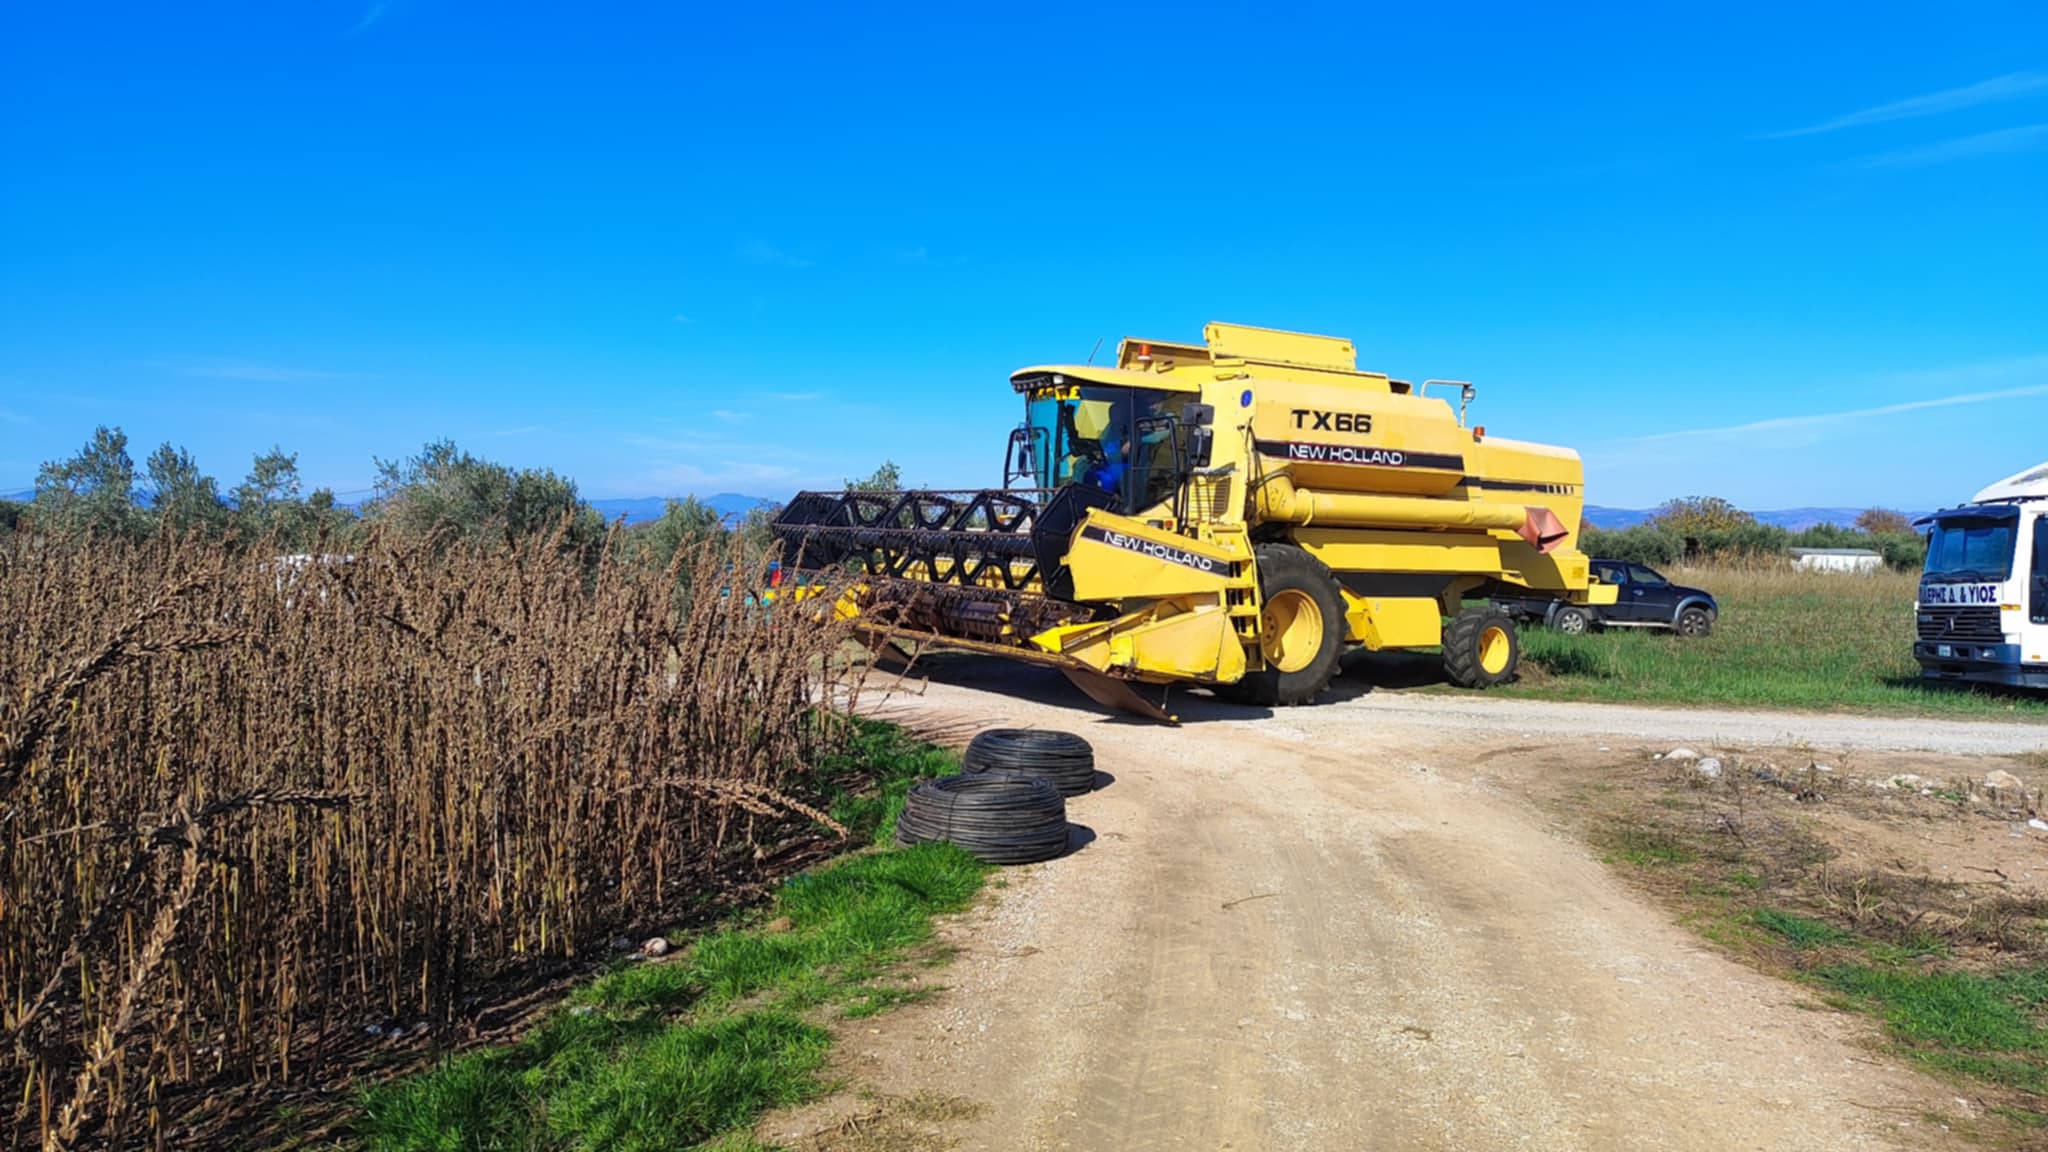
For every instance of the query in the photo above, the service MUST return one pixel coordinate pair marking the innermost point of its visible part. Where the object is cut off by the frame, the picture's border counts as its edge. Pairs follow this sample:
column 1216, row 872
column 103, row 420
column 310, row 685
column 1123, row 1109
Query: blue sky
column 1789, row 254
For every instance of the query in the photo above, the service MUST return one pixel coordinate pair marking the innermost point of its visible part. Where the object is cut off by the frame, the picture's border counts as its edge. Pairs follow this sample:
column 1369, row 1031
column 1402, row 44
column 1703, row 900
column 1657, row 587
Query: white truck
column 1982, row 616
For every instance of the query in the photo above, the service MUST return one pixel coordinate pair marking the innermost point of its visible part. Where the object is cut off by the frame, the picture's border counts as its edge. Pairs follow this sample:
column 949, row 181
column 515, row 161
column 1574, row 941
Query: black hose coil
column 1060, row 757
column 999, row 817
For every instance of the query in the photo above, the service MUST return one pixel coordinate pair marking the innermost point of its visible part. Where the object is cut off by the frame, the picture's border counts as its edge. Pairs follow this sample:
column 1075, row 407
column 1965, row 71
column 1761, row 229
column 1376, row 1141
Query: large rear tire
column 1481, row 648
column 1301, row 629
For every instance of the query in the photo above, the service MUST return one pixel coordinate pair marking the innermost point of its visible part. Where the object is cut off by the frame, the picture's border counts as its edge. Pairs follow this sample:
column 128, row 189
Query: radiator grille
column 1960, row 622
column 1209, row 498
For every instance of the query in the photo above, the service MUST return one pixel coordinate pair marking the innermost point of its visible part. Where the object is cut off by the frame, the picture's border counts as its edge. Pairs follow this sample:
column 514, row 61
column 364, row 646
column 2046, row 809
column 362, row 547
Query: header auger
column 1232, row 514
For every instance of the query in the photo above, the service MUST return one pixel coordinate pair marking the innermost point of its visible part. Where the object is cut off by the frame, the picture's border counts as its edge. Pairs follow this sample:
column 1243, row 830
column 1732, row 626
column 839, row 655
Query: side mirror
column 1019, row 462
column 1198, row 415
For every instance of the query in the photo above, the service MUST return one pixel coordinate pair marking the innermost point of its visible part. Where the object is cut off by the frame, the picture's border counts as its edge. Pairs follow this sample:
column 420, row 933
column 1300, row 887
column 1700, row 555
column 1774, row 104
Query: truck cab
column 1982, row 612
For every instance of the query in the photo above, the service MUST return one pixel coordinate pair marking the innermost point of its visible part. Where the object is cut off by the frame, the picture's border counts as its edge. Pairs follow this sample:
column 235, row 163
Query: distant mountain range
column 730, row 505
column 1790, row 519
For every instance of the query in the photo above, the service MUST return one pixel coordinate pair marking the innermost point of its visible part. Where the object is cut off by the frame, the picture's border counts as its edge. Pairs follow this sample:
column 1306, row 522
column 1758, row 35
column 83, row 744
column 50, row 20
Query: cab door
column 1648, row 596
column 2037, row 587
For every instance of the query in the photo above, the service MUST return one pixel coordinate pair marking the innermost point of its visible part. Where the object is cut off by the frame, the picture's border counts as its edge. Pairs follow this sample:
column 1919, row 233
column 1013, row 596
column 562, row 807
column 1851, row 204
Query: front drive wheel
column 1694, row 622
column 1572, row 621
column 1481, row 649
column 1301, row 629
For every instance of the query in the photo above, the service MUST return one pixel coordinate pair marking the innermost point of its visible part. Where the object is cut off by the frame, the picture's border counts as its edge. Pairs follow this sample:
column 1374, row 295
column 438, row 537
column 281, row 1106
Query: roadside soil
column 1368, row 925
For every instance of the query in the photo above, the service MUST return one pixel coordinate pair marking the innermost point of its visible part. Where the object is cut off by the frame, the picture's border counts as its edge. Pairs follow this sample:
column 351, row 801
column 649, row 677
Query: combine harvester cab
column 1982, row 614
column 1232, row 514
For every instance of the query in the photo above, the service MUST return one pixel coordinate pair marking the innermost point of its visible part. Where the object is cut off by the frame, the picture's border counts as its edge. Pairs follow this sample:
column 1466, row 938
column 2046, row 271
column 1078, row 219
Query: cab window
column 1124, row 441
column 1608, row 574
column 1638, row 574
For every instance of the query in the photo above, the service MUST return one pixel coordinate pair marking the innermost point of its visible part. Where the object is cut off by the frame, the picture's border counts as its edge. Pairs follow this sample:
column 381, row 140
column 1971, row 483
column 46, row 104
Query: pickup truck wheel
column 1481, row 648
column 1301, row 629
column 1572, row 621
column 1694, row 622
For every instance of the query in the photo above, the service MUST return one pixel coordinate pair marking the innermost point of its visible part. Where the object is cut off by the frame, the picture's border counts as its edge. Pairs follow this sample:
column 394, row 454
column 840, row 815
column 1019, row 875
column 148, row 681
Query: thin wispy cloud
column 758, row 252
column 728, row 416
column 375, row 13
column 682, row 319
column 2004, row 141
column 792, row 397
column 1992, row 91
column 1826, row 419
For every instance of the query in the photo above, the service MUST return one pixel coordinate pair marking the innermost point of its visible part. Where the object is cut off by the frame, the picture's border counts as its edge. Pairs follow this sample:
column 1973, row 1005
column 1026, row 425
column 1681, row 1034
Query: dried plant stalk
column 248, row 806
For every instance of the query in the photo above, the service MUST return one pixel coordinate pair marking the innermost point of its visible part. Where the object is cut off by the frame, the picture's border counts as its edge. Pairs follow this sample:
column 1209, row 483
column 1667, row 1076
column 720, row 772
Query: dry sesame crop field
column 260, row 817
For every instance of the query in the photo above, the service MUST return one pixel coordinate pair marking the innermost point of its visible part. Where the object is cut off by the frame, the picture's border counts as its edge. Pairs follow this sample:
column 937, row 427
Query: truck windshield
column 1121, row 440
column 1969, row 548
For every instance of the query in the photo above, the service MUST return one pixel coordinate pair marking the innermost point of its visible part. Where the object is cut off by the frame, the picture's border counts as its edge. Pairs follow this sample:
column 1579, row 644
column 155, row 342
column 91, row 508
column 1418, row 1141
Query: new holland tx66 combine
column 1232, row 514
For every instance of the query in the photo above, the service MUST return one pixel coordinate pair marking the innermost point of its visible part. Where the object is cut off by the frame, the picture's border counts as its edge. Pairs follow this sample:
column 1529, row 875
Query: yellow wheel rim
column 1291, row 630
column 1494, row 646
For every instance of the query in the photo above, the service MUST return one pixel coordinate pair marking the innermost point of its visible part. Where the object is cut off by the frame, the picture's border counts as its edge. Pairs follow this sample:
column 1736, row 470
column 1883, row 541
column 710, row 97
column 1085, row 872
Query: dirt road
column 1320, row 930
column 1473, row 711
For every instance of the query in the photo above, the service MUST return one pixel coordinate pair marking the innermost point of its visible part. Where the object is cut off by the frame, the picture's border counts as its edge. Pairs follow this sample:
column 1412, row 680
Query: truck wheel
column 1694, row 622
column 1301, row 628
column 1481, row 648
column 1572, row 621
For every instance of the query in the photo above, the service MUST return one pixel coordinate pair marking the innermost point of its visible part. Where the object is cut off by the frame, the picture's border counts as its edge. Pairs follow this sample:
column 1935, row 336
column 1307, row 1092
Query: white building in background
column 1837, row 559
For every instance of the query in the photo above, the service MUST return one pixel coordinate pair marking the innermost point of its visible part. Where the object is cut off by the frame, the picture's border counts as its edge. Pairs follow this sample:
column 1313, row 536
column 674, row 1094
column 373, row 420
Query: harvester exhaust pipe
column 1280, row 500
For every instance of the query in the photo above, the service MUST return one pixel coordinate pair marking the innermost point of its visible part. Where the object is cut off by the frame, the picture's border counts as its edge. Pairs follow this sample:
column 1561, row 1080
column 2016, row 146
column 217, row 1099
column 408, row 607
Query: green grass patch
column 687, row 1053
column 1951, row 1010
column 603, row 1088
column 1799, row 931
column 1785, row 639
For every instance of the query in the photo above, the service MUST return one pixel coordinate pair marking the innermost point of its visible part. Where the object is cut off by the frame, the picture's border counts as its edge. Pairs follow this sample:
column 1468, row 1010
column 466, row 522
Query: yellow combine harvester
column 1232, row 514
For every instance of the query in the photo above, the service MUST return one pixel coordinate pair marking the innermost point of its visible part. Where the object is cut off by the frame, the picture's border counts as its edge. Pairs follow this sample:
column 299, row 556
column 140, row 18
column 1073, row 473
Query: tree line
column 1708, row 527
column 99, row 493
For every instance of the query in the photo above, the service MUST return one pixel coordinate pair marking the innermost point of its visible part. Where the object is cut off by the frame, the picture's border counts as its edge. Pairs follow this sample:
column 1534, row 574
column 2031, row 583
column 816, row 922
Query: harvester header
column 1233, row 514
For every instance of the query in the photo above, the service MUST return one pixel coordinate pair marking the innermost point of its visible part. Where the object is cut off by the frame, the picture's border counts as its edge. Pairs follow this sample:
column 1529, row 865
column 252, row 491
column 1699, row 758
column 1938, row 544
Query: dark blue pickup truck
column 1643, row 599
